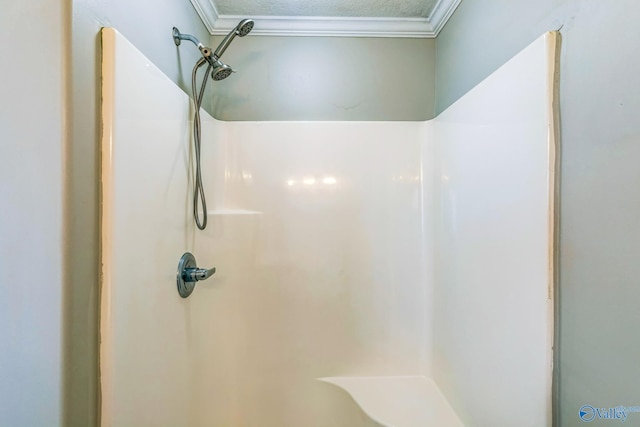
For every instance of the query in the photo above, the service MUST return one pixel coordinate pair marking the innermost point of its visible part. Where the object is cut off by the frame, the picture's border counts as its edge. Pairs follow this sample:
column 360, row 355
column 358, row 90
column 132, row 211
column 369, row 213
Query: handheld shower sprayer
column 242, row 29
column 206, row 53
column 219, row 71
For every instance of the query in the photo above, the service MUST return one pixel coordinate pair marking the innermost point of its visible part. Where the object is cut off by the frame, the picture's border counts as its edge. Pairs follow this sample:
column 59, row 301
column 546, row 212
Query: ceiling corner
column 208, row 13
column 441, row 13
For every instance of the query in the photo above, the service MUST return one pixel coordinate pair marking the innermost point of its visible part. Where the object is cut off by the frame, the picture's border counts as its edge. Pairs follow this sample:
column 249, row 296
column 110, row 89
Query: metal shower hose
column 198, row 191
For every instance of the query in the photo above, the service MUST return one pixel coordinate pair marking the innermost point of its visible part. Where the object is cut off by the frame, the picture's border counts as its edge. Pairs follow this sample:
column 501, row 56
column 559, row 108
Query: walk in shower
column 368, row 273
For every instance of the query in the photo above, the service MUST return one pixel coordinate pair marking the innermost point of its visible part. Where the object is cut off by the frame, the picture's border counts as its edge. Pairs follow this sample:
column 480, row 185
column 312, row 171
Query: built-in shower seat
column 411, row 401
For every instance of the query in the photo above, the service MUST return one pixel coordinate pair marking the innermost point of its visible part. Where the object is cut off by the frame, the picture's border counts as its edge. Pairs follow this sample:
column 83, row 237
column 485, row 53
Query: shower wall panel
column 316, row 231
column 153, row 343
column 340, row 248
column 493, row 220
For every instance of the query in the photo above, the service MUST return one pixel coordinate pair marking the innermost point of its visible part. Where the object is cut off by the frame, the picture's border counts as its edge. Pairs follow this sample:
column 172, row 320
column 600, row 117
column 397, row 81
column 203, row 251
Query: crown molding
column 208, row 13
column 329, row 26
column 311, row 26
column 441, row 13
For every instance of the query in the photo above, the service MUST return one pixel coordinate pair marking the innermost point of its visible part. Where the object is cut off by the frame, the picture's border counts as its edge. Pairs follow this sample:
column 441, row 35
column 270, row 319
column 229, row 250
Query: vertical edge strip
column 108, row 36
column 553, row 51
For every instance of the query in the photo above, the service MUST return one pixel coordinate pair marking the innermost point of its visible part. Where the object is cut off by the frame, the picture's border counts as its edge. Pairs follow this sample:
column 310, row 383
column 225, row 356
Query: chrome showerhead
column 220, row 71
column 243, row 28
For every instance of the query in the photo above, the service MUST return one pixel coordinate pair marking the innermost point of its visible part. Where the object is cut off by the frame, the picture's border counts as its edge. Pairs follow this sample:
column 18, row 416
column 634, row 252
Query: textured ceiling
column 334, row 8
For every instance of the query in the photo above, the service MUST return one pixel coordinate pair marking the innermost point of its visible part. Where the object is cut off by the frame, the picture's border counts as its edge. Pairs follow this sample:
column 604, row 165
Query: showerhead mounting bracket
column 176, row 36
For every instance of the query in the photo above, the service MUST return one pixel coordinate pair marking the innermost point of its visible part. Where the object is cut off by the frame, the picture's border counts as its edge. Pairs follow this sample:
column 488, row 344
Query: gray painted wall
column 599, row 283
column 327, row 78
column 32, row 144
column 147, row 24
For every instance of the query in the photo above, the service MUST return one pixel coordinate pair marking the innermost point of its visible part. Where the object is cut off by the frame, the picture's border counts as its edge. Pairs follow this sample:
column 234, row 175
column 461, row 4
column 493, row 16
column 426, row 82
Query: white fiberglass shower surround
column 368, row 273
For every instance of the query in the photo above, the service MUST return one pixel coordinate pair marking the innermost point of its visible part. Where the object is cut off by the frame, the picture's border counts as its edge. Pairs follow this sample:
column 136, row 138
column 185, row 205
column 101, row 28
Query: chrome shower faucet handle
column 189, row 274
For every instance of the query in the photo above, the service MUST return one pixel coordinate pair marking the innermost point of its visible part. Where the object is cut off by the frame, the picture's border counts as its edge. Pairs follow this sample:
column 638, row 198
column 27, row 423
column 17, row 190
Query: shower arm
column 204, row 50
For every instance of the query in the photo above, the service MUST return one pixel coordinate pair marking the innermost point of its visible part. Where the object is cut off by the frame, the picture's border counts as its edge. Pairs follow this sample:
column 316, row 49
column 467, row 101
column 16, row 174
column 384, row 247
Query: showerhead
column 220, row 71
column 243, row 28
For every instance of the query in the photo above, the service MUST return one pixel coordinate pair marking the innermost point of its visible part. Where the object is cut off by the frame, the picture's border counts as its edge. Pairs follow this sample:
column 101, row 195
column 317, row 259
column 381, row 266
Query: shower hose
column 198, row 191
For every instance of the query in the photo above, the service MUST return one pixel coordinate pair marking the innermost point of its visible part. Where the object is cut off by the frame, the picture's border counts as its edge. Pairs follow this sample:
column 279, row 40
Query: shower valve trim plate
column 188, row 274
